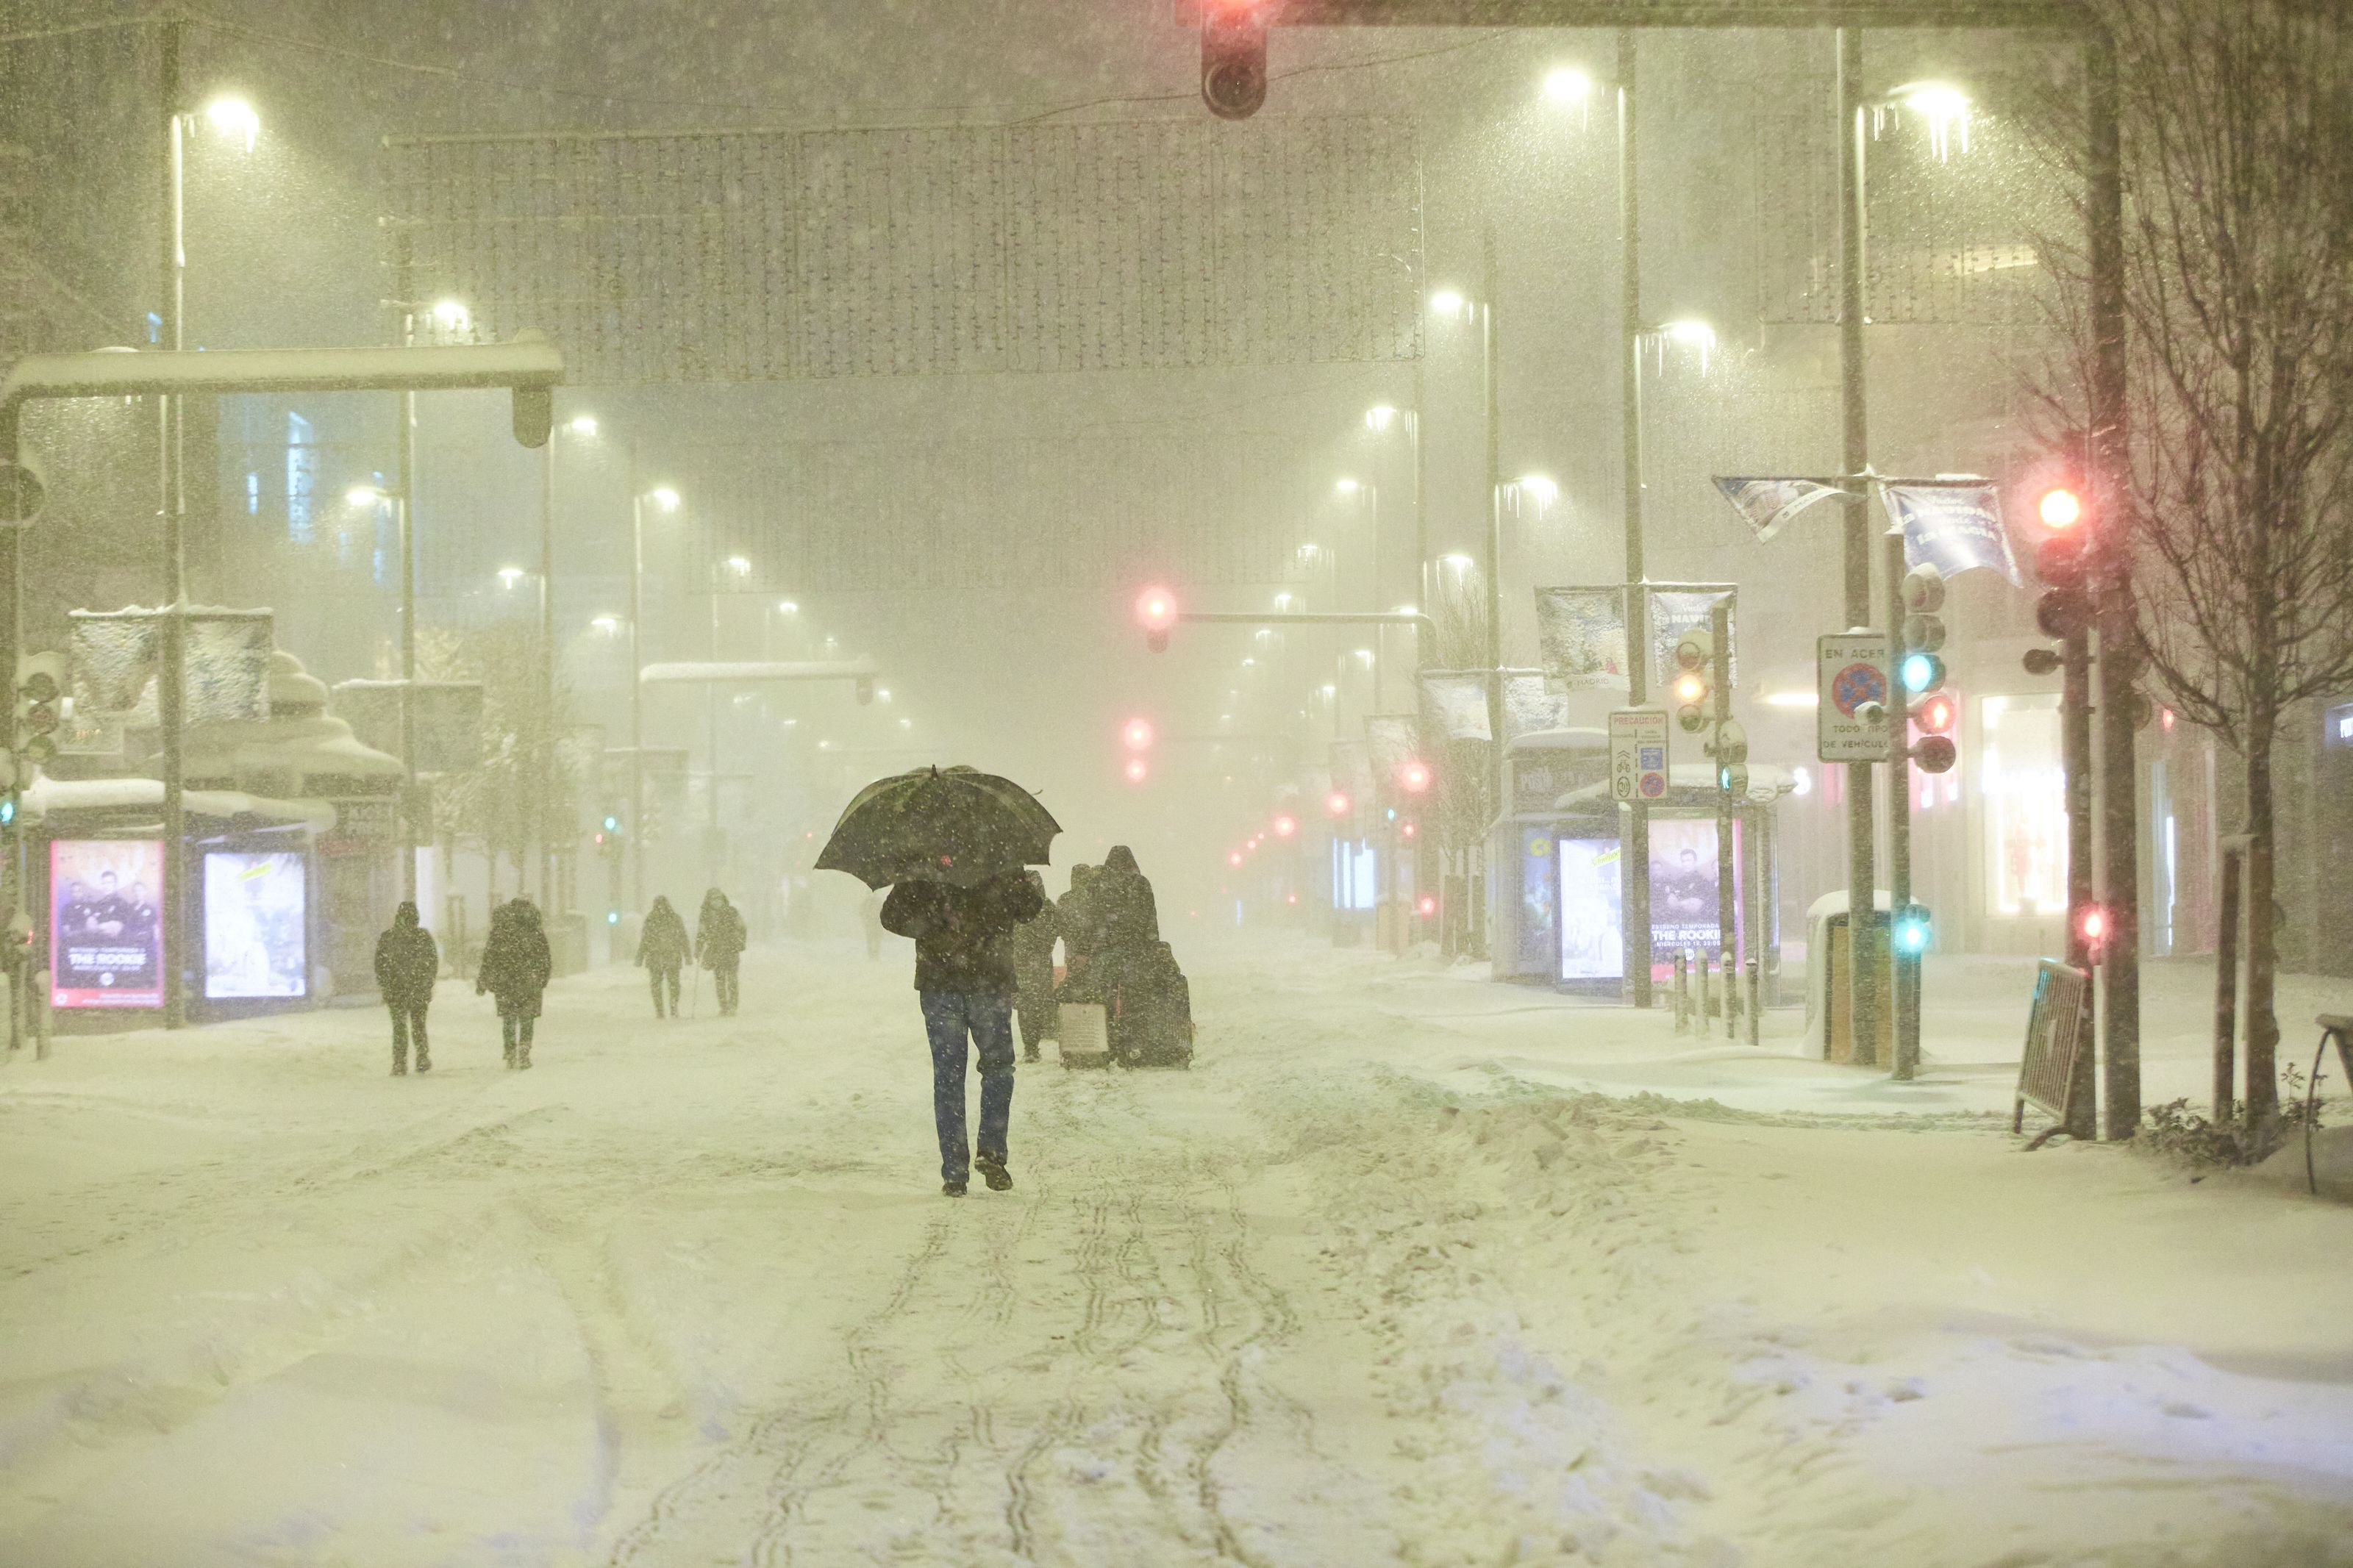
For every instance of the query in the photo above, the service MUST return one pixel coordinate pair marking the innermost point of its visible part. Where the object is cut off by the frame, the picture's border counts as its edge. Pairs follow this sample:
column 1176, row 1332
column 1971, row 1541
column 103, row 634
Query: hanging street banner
column 1391, row 740
column 118, row 656
column 1766, row 504
column 1581, row 633
column 1852, row 723
column 1954, row 528
column 1676, row 608
column 1530, row 706
column 1638, row 754
column 1454, row 706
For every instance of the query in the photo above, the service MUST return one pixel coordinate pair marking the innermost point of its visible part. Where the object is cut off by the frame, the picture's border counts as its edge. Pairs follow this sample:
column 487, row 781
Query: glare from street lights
column 510, row 575
column 1449, row 303
column 1691, row 334
column 364, row 495
column 1349, row 487
column 883, row 694
column 787, row 607
column 663, row 497
column 582, row 425
column 1460, row 563
column 1539, row 489
column 451, row 315
column 1282, row 601
column 609, row 624
column 1568, row 86
column 740, row 566
column 1943, row 106
column 1380, row 416
column 234, row 116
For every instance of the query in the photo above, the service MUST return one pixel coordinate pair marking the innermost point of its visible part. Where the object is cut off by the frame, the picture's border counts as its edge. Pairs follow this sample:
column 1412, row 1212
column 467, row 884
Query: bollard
column 1682, row 993
column 1706, row 987
column 1731, row 972
column 1754, row 983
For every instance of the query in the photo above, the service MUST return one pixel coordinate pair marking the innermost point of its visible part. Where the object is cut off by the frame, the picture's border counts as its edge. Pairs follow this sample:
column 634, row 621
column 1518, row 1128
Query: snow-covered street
column 1363, row 1286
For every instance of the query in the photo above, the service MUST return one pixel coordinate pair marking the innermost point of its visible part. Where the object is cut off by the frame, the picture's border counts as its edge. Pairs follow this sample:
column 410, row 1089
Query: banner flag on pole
column 1767, row 504
column 1454, row 706
column 1954, row 528
column 1676, row 608
column 1582, row 635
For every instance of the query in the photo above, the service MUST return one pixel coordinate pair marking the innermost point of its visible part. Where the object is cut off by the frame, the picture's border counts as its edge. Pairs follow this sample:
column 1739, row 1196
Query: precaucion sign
column 1637, row 754
column 1852, row 722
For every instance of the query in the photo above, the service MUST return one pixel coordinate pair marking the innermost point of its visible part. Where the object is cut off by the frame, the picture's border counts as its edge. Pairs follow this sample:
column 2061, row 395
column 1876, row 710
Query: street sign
column 1637, row 754
column 1853, row 721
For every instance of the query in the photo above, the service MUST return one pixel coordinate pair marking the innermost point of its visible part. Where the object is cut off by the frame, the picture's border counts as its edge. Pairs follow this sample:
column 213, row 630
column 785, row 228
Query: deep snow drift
column 1383, row 1279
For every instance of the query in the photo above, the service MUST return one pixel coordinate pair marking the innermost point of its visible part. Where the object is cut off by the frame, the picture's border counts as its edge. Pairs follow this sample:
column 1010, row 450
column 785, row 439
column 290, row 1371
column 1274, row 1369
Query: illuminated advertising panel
column 1592, row 926
column 106, row 924
column 1683, row 887
column 256, row 939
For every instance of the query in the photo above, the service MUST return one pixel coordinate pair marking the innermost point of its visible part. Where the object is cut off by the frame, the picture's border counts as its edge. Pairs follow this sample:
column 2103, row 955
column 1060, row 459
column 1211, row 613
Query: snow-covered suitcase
column 1085, row 1037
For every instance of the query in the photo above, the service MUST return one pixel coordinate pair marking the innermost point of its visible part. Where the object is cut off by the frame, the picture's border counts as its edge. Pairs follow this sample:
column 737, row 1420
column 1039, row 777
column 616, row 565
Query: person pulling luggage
column 516, row 965
column 1033, row 972
column 662, row 948
column 407, row 963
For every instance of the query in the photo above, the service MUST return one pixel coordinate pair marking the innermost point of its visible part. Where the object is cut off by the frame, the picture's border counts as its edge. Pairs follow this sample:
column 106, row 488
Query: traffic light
column 2064, row 609
column 1337, row 804
column 612, row 823
column 1136, row 771
column 2092, row 925
column 1913, row 930
column 1920, row 668
column 1285, row 825
column 1694, row 663
column 1137, row 734
column 1933, row 718
column 40, row 679
column 1730, row 749
column 1156, row 608
column 1413, row 776
column 1233, row 55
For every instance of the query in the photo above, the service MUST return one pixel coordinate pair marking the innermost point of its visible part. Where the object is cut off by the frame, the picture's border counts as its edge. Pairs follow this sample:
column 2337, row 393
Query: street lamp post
column 667, row 499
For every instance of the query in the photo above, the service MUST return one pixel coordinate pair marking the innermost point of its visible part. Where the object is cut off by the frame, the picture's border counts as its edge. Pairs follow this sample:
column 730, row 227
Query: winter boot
column 951, row 1189
column 424, row 1062
column 992, row 1171
column 399, row 1066
column 510, row 1054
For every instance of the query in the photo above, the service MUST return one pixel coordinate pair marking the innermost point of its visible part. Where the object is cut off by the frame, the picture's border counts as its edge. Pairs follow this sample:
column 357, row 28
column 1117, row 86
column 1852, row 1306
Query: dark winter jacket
column 1033, row 946
column 963, row 936
column 719, row 933
column 1078, row 916
column 515, row 961
column 406, row 960
column 663, row 943
column 1128, row 918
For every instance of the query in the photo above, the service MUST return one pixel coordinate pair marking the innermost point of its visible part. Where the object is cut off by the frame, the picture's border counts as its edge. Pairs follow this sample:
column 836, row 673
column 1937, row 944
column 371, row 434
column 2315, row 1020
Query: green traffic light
column 1921, row 672
column 1912, row 932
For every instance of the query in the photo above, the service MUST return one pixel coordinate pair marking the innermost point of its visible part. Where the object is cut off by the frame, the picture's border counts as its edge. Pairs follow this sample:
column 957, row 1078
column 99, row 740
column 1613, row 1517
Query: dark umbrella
column 955, row 825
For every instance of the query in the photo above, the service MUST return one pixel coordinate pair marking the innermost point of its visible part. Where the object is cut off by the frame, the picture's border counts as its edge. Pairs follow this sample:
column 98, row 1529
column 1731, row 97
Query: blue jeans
column 948, row 1017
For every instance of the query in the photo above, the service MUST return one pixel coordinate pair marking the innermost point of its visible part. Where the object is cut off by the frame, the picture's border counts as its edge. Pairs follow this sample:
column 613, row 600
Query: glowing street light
column 234, row 116
column 1380, row 416
column 740, row 566
column 2060, row 508
column 787, row 607
column 1539, row 488
column 609, row 624
column 510, row 575
column 1943, row 106
column 582, row 425
column 663, row 497
column 451, row 315
column 1568, row 86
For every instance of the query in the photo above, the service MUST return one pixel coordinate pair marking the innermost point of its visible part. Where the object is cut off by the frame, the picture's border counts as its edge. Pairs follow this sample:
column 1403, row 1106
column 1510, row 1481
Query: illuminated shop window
column 2025, row 791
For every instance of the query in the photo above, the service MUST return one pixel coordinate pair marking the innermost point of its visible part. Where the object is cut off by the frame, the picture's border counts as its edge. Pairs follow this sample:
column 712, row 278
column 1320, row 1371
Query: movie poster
column 1592, row 922
column 1683, row 887
column 256, row 940
column 106, row 922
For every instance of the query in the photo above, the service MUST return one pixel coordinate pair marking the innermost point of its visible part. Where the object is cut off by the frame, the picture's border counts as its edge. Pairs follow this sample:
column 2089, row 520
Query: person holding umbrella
column 953, row 845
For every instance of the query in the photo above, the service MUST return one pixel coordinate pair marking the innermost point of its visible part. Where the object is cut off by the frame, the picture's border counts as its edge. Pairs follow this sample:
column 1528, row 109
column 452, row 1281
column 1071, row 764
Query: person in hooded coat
column 1127, row 916
column 1033, row 971
column 719, row 939
column 661, row 952
column 515, row 968
column 965, row 979
column 1077, row 920
column 407, row 962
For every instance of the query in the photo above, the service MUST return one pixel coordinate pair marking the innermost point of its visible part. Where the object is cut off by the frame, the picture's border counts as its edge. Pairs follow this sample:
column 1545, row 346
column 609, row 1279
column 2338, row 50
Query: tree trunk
column 2262, row 940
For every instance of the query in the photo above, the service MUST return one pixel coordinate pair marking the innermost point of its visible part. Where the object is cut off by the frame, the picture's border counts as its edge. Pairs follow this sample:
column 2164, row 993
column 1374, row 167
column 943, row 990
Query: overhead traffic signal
column 1693, row 681
column 1137, row 734
column 1136, row 771
column 1156, row 608
column 1920, row 668
column 39, row 696
column 1337, row 804
column 1233, row 55
column 1414, row 776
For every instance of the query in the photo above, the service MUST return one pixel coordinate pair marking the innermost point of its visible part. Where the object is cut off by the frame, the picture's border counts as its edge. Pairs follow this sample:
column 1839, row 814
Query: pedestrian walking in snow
column 661, row 953
column 407, row 962
column 718, row 938
column 1033, row 972
column 965, row 980
column 1077, row 921
column 515, row 969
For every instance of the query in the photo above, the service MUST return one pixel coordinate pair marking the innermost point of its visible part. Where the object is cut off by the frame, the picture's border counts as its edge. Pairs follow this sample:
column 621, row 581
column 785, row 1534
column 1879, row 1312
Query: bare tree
column 2237, row 130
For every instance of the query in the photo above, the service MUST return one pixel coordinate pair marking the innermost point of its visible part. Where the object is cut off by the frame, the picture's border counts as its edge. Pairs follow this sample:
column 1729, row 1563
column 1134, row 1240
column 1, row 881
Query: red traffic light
column 1135, row 771
column 1156, row 608
column 1235, row 859
column 1936, row 715
column 1414, row 776
column 1137, row 734
column 1409, row 829
column 2060, row 508
column 2092, row 925
column 1426, row 907
column 1285, row 825
column 1337, row 804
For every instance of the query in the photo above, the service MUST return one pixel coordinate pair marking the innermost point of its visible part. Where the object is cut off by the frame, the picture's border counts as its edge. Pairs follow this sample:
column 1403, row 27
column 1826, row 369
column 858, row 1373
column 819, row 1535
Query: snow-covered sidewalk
column 1381, row 1281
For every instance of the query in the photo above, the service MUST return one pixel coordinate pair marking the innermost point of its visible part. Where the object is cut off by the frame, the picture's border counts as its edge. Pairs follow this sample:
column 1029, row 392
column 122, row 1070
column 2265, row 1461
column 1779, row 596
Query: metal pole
column 1863, row 877
column 2226, row 987
column 171, row 695
column 1906, row 966
column 404, row 492
column 541, row 816
column 636, row 686
column 1638, row 599
column 711, row 723
column 2112, row 567
column 1494, row 593
column 1727, row 909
